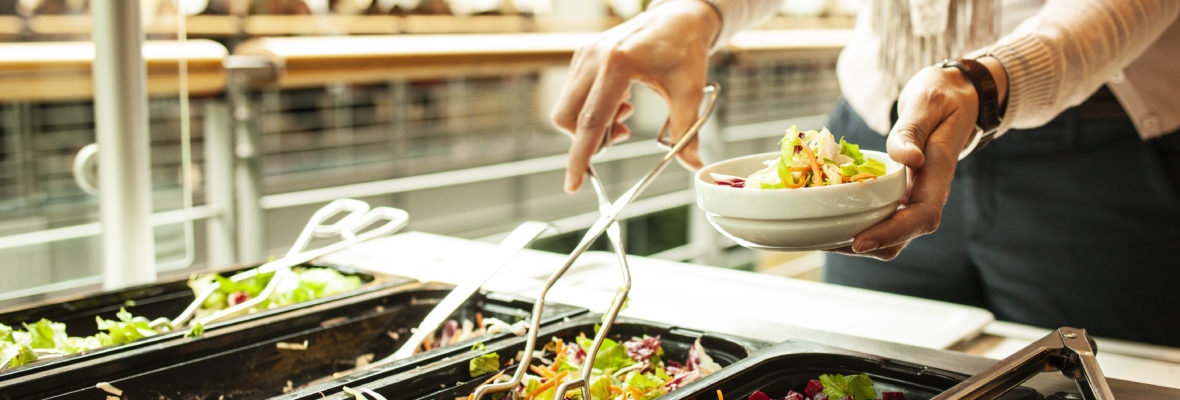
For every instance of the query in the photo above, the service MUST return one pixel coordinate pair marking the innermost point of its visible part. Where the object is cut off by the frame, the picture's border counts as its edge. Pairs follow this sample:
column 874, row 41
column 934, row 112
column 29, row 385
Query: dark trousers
column 1076, row 223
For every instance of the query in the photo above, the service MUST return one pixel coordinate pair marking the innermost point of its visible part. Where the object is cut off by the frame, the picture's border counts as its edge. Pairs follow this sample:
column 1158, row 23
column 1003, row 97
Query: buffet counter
column 770, row 308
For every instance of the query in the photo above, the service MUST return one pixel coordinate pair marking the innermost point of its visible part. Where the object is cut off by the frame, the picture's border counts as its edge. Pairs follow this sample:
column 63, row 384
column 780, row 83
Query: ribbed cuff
column 1031, row 79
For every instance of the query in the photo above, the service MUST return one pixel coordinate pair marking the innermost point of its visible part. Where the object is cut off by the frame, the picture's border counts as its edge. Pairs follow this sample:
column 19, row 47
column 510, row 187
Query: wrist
column 989, row 116
column 704, row 14
column 1000, row 75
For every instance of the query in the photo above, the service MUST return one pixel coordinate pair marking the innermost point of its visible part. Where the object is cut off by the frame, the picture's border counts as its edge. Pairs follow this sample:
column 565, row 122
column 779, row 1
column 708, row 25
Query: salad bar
column 42, row 337
column 643, row 357
column 266, row 357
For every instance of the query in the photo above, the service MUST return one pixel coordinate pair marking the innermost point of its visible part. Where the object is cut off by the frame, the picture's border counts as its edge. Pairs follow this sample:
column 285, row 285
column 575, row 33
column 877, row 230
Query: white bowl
column 809, row 218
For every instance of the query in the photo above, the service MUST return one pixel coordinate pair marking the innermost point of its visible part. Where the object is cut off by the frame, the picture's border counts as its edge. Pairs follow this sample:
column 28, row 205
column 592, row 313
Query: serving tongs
column 358, row 223
column 516, row 241
column 1068, row 350
column 607, row 223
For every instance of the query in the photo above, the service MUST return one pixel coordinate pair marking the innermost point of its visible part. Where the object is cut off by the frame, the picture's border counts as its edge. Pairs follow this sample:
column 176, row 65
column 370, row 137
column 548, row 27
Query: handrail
column 315, row 61
column 61, row 70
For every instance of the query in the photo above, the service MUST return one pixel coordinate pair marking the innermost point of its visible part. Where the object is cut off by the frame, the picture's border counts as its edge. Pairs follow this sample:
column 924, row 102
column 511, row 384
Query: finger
column 572, row 99
column 923, row 210
column 625, row 111
column 597, row 114
column 684, row 101
column 883, row 254
column 619, row 133
column 909, row 134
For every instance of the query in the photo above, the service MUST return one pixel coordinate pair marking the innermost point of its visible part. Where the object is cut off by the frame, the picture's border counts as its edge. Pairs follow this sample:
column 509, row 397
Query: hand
column 936, row 118
column 665, row 48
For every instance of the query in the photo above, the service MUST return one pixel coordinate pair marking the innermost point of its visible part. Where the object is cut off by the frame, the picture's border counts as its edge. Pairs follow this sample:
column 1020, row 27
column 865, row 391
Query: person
column 1069, row 216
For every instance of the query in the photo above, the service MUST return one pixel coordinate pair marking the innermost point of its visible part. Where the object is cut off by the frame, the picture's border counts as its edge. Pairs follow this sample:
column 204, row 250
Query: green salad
column 20, row 345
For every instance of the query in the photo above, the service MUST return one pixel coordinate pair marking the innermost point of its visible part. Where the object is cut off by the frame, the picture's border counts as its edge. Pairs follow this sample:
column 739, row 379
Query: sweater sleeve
column 1060, row 56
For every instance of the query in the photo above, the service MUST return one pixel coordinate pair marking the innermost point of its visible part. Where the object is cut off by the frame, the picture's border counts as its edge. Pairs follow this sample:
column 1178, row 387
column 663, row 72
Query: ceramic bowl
column 809, row 218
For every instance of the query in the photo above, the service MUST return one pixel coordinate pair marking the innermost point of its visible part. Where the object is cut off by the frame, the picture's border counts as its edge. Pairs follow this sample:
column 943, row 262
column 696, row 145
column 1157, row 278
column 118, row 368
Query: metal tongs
column 358, row 223
column 1068, row 350
column 607, row 223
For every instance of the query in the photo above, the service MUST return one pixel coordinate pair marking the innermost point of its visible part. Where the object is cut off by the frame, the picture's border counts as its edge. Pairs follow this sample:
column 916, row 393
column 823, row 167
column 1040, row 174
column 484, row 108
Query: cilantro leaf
column 859, row 387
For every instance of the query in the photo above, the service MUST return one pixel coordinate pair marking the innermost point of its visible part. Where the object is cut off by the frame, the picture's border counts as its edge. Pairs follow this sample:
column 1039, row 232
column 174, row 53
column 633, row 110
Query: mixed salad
column 454, row 331
column 42, row 339
column 833, row 387
column 633, row 369
column 810, row 158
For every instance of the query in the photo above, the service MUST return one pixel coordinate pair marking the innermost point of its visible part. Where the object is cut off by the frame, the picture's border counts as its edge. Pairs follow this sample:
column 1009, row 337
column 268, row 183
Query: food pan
column 161, row 299
column 265, row 357
column 450, row 379
column 790, row 365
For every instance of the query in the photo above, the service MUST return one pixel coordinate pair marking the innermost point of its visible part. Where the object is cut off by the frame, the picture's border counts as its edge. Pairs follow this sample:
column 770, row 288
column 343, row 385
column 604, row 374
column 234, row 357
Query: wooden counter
column 314, row 61
column 61, row 70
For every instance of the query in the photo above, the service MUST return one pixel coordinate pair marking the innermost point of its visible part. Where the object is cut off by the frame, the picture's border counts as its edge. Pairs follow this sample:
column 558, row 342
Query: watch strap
column 989, row 118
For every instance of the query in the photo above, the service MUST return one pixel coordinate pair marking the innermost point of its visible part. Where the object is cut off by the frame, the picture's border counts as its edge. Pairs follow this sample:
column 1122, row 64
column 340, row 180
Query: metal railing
column 452, row 129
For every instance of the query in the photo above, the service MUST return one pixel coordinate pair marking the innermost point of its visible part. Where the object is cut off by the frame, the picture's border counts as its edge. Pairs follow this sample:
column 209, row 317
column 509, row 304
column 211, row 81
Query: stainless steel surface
column 121, row 119
column 1068, row 350
column 515, row 242
column 608, row 218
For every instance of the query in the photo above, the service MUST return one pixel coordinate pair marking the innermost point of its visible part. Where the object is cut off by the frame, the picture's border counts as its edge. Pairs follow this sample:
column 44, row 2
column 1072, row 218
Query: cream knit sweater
column 1055, row 60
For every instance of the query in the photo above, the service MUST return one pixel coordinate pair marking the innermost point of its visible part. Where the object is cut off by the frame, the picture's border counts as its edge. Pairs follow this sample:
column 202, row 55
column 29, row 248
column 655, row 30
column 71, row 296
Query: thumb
column 683, row 111
column 908, row 136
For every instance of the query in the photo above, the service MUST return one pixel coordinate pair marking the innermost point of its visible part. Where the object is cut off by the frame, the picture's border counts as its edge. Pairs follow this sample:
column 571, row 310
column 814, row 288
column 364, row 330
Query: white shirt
column 1055, row 59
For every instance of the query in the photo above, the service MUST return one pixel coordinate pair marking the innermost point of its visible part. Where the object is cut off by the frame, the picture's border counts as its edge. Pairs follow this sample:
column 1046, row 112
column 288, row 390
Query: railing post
column 219, row 178
column 245, row 71
column 121, row 122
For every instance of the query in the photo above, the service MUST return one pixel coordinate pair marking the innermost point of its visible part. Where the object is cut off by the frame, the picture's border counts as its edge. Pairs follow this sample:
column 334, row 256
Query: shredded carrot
column 635, row 393
column 719, row 396
column 616, row 389
column 861, row 177
column 817, row 177
column 544, row 372
column 559, row 347
column 800, row 168
column 479, row 320
column 801, row 182
column 548, row 384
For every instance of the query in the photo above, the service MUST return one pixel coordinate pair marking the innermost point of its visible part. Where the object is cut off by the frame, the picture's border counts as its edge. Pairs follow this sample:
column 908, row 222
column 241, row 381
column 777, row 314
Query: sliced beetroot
column 758, row 395
column 892, row 396
column 814, row 387
column 793, row 395
column 820, row 396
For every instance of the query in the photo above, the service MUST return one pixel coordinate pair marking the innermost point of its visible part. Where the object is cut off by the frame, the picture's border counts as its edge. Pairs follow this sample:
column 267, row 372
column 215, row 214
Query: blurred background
column 261, row 111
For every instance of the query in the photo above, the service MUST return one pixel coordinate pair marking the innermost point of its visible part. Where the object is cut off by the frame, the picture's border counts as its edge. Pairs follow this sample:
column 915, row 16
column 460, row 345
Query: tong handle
column 1068, row 350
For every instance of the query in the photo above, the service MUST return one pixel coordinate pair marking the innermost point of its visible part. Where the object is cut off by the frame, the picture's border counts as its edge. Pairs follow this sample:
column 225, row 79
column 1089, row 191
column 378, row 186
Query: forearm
column 1056, row 59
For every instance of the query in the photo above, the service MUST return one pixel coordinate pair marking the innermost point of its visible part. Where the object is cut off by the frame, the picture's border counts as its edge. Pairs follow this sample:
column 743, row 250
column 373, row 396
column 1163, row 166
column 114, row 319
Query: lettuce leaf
column 600, row 389
column 852, row 150
column 484, row 364
column 13, row 355
column 873, row 166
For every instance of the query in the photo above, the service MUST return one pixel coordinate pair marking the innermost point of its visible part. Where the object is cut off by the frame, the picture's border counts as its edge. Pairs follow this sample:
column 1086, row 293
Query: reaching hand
column 665, row 48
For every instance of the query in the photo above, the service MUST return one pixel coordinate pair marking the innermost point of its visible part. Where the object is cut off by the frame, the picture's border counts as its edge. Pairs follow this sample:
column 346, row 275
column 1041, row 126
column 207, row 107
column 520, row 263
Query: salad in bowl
column 814, row 193
column 808, row 159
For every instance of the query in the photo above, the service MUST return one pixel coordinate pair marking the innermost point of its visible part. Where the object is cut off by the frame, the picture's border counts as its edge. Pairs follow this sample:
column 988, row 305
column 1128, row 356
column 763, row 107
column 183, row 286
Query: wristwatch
column 988, row 121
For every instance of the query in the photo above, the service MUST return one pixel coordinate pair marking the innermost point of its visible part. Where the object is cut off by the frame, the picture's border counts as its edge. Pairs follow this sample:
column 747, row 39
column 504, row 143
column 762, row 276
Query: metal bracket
column 1067, row 350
